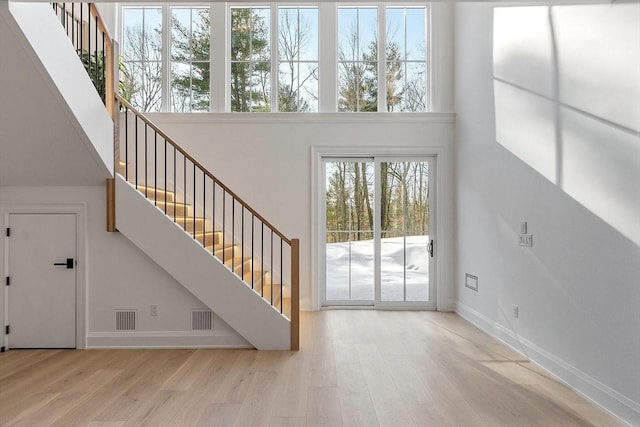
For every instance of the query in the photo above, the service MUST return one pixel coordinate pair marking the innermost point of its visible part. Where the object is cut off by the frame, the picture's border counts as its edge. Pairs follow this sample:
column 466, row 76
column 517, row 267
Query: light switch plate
column 525, row 240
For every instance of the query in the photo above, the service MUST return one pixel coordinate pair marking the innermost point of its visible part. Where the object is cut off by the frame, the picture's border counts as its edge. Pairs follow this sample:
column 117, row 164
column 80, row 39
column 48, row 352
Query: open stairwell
column 162, row 199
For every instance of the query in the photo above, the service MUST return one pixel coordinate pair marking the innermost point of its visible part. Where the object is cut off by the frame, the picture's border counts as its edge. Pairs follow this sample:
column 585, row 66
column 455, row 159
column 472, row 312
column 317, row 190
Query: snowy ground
column 358, row 276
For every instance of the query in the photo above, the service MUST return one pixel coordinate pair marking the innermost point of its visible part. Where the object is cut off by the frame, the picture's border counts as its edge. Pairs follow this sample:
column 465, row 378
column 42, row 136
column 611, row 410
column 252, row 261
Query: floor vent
column 201, row 320
column 125, row 320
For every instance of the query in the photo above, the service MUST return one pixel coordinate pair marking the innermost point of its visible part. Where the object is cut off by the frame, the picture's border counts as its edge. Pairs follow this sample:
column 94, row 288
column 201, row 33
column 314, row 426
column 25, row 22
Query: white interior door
column 42, row 270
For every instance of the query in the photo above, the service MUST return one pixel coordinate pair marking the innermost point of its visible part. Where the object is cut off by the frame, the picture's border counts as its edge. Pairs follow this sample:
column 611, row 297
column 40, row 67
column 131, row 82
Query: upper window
column 142, row 57
column 406, row 61
column 297, row 59
column 250, row 59
column 190, row 62
column 358, row 59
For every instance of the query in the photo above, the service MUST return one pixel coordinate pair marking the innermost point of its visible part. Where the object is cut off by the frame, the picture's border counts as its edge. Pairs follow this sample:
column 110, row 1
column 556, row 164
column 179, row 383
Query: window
column 406, row 61
column 267, row 57
column 250, row 59
column 142, row 57
column 190, row 62
column 297, row 59
column 357, row 59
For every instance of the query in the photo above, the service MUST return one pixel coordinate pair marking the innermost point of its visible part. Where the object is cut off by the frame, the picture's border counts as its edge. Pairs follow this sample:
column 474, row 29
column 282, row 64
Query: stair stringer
column 199, row 271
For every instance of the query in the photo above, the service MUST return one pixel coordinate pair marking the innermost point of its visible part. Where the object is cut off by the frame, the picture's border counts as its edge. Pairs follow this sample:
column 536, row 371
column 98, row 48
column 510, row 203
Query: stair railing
column 242, row 239
column 92, row 42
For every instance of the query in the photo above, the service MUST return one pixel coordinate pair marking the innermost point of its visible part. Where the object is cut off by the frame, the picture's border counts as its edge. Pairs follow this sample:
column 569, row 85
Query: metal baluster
column 184, row 192
column 224, row 214
column 155, row 168
column 253, row 225
column 271, row 268
column 73, row 23
column 281, row 279
column 242, row 245
column 136, row 154
column 126, row 143
column 175, row 179
column 261, row 258
column 103, row 84
column 233, row 234
column 213, row 215
column 146, row 185
column 165, row 176
column 204, row 205
column 97, row 76
column 195, row 204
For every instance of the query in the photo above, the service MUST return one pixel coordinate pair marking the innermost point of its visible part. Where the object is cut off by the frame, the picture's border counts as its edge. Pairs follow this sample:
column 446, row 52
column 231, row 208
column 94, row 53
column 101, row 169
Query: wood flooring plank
column 355, row 401
column 259, row 400
column 78, row 393
column 288, row 422
column 143, row 384
column 21, row 411
column 389, row 407
column 324, row 407
column 235, row 385
column 219, row 415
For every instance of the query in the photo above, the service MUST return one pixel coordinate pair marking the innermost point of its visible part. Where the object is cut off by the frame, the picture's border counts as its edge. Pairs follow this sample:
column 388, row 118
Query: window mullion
column 165, row 103
column 275, row 74
column 328, row 57
column 382, row 58
column 219, row 58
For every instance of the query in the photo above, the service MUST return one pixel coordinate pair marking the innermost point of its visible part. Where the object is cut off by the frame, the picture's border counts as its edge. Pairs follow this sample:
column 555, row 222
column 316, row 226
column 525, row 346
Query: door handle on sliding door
column 69, row 263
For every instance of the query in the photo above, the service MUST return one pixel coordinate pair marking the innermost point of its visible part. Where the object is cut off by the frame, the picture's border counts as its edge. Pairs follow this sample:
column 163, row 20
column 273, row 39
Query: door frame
column 441, row 201
column 79, row 209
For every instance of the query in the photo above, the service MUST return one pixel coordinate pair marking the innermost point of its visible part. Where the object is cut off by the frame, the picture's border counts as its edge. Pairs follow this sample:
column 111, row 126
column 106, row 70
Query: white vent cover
column 201, row 320
column 125, row 320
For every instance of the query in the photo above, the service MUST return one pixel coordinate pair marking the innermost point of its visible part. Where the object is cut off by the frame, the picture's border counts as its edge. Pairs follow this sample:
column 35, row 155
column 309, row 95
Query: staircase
column 177, row 212
column 212, row 239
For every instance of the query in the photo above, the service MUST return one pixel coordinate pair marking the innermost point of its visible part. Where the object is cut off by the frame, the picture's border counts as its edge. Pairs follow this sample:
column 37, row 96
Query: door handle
column 430, row 248
column 69, row 263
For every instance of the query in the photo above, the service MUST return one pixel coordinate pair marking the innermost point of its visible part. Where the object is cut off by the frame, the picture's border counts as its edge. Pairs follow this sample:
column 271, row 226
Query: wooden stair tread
column 190, row 223
column 157, row 193
column 180, row 209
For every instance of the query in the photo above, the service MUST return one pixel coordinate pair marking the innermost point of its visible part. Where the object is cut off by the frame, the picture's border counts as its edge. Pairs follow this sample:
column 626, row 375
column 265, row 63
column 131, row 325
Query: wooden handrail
column 201, row 167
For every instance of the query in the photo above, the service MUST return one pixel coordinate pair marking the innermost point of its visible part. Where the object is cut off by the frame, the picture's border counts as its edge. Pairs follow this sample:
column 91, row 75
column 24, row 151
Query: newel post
column 295, row 294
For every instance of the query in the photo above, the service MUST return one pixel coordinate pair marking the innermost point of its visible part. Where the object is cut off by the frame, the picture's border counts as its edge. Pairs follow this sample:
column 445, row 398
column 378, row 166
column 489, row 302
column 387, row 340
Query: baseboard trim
column 172, row 339
column 597, row 392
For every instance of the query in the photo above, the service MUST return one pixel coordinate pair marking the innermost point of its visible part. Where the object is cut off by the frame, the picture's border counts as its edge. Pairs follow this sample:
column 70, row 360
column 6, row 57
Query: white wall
column 560, row 149
column 266, row 160
column 120, row 276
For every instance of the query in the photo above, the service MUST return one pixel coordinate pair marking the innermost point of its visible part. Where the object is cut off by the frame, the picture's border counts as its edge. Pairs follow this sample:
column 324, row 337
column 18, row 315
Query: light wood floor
column 355, row 368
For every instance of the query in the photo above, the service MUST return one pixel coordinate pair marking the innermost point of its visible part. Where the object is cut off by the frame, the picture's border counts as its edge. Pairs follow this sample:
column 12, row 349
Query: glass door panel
column 349, row 237
column 404, row 231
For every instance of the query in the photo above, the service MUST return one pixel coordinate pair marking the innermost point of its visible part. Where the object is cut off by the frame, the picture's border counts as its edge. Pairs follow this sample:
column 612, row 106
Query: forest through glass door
column 377, row 232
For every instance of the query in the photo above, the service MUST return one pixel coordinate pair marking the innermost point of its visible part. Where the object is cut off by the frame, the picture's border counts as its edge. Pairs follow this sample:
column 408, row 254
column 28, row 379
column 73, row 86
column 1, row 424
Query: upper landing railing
column 92, row 42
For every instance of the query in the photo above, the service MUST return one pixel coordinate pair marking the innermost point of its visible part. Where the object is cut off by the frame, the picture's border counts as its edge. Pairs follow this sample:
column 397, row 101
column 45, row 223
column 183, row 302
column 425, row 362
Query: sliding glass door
column 377, row 247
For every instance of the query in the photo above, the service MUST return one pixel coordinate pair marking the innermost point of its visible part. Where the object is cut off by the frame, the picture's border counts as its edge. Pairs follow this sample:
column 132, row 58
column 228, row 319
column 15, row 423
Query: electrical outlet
column 154, row 309
column 515, row 311
column 525, row 240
